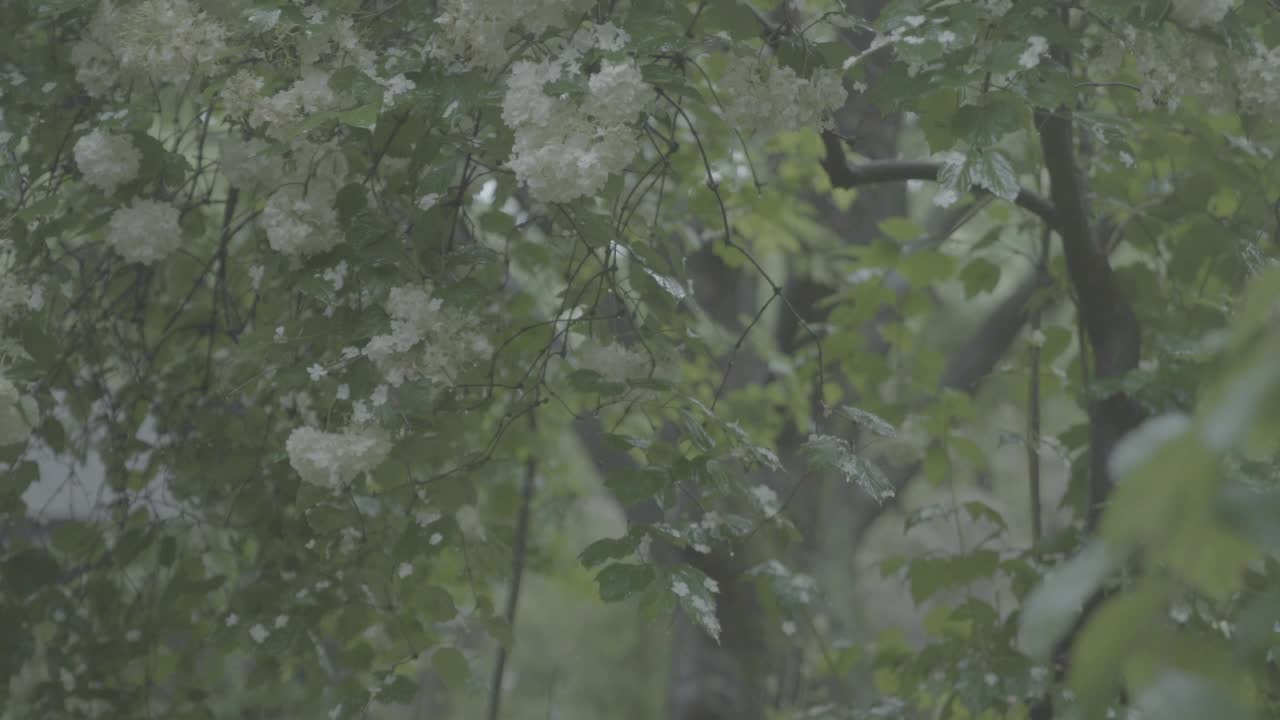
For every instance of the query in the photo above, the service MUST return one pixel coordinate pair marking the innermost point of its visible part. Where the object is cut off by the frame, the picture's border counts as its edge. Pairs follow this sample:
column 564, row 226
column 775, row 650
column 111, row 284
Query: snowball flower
column 170, row 40
column 17, row 414
column 767, row 99
column 249, row 164
column 144, row 232
column 618, row 92
column 1198, row 13
column 106, row 161
column 428, row 340
column 1037, row 46
column 241, row 93
column 614, row 362
column 259, row 633
column 333, row 460
column 299, row 224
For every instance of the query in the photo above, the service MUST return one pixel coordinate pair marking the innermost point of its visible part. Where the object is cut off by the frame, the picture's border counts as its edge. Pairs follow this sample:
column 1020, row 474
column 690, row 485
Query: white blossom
column 170, row 40
column 302, row 224
column 106, row 161
column 1198, row 13
column 145, row 232
column 241, row 93
column 615, row 362
column 474, row 33
column 618, row 91
column 249, row 164
column 308, row 95
column 428, row 340
column 766, row 98
column 259, row 633
column 766, row 499
column 333, row 460
column 1037, row 46
column 563, row 151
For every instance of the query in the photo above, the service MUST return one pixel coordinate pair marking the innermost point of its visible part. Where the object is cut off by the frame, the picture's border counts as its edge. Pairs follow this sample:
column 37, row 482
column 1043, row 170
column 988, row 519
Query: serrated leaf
column 868, row 420
column 987, row 169
column 832, row 454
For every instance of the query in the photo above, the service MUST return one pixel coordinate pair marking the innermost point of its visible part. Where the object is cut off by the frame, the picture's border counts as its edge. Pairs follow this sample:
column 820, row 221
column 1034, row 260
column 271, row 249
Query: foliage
column 341, row 296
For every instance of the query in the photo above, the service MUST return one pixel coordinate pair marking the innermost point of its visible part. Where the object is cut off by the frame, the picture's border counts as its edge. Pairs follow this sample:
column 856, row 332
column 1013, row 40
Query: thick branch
column 1108, row 322
column 1105, row 313
column 844, row 175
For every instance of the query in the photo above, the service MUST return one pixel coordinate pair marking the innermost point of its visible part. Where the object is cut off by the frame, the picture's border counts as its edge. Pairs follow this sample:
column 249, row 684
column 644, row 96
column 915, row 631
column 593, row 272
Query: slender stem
column 518, row 554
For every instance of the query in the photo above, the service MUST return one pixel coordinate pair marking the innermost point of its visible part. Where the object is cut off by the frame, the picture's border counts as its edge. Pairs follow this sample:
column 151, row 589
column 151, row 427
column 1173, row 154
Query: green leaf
column 602, row 551
column 731, row 16
column 824, row 453
column 76, row 538
column 1105, row 646
column 902, row 229
column 1052, row 608
column 620, row 581
column 868, row 420
column 979, row 276
column 633, row 485
column 986, row 169
column 27, row 571
column 931, row 575
column 452, row 666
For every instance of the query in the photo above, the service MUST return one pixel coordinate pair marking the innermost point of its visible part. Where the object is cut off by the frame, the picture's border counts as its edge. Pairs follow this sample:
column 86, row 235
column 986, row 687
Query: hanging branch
column 519, row 551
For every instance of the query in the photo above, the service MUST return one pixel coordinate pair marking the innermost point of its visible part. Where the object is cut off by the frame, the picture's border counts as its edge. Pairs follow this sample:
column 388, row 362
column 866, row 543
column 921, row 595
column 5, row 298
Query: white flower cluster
column 302, row 224
column 615, row 362
column 106, row 161
column 241, row 93
column 333, row 460
column 144, row 232
column 564, row 150
column 1198, row 13
column 17, row 414
column 766, row 98
column 249, row 165
column 168, row 41
column 1259, row 79
column 310, row 94
column 16, row 295
column 1037, row 47
column 428, row 341
column 473, row 33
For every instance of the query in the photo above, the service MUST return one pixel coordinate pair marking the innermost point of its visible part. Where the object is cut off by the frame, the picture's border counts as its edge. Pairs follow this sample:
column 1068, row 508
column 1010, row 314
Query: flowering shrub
column 325, row 289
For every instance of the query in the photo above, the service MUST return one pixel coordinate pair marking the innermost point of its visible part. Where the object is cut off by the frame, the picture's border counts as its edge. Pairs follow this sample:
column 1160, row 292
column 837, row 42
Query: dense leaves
column 333, row 333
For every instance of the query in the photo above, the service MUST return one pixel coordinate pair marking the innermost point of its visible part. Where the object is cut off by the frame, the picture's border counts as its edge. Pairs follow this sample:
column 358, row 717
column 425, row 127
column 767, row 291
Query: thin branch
column 519, row 552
